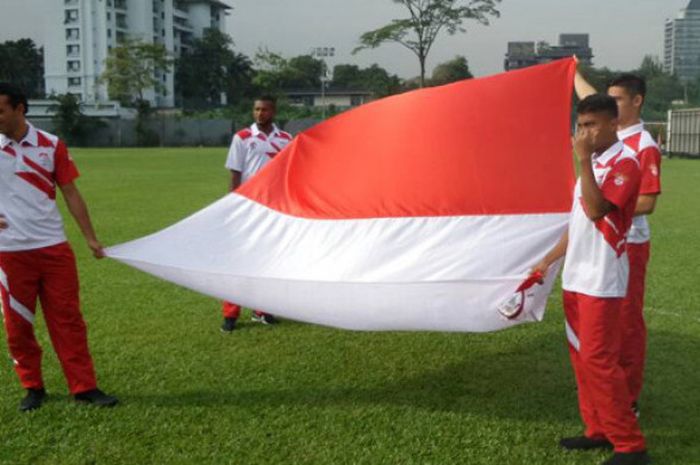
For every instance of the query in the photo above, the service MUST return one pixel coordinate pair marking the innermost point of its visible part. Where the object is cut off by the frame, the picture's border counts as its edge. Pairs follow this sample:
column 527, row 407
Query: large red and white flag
column 422, row 211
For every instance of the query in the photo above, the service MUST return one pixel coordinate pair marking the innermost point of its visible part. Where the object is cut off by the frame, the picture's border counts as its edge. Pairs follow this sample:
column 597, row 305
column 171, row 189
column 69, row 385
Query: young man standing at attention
column 251, row 149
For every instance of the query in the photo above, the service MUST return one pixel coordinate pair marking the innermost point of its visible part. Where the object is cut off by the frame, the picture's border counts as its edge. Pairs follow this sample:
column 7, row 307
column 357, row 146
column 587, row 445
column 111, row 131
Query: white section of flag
column 408, row 273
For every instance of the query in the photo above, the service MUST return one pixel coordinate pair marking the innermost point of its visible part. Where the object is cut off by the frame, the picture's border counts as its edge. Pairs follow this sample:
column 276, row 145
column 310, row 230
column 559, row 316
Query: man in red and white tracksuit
column 629, row 91
column 595, row 279
column 36, row 261
column 638, row 249
column 251, row 149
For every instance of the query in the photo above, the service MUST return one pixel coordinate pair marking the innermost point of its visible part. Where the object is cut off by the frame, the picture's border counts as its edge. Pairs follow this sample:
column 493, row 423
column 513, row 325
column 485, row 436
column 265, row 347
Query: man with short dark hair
column 251, row 149
column 36, row 261
column 629, row 91
column 595, row 281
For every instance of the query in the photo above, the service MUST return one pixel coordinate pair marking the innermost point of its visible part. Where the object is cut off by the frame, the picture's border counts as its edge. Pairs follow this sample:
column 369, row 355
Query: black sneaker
column 584, row 443
column 635, row 408
column 32, row 400
column 265, row 318
column 629, row 458
column 96, row 398
column 228, row 325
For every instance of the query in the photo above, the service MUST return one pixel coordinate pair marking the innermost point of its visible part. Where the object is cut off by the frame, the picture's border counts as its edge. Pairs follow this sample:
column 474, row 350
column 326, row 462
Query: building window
column 73, row 50
column 109, row 16
column 71, row 16
column 74, row 82
column 73, row 66
column 73, row 33
column 121, row 21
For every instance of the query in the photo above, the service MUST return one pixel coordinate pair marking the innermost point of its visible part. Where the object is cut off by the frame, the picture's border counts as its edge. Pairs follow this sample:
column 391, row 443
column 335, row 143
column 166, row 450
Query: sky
column 621, row 31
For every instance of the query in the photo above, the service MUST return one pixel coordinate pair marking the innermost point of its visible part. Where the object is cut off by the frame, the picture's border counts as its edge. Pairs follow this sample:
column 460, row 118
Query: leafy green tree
column 269, row 67
column 132, row 68
column 69, row 121
column 304, row 72
column 23, row 65
column 426, row 20
column 662, row 91
column 662, row 88
column 277, row 73
column 211, row 67
column 651, row 67
column 374, row 79
column 456, row 69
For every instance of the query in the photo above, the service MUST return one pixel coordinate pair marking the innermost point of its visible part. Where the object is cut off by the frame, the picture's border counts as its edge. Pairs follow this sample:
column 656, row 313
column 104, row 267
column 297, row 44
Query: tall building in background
column 523, row 54
column 682, row 43
column 84, row 32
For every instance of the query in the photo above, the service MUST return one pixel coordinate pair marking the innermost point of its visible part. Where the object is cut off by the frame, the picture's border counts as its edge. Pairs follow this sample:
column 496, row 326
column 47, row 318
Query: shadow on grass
column 524, row 381
column 529, row 380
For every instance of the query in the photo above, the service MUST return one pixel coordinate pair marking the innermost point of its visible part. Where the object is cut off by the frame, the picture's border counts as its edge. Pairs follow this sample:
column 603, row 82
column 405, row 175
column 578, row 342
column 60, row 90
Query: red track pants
column 634, row 331
column 593, row 331
column 231, row 310
column 49, row 274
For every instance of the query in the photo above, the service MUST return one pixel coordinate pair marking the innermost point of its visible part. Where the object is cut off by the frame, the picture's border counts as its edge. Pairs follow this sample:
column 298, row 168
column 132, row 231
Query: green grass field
column 301, row 394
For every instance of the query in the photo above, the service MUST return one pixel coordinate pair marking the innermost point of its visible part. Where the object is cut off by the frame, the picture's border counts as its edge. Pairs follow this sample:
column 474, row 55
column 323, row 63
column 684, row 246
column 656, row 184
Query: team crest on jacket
column 654, row 170
column 44, row 159
column 619, row 180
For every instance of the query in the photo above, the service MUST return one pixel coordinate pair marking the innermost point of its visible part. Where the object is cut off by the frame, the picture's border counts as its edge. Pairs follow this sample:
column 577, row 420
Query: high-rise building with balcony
column 84, row 32
column 682, row 43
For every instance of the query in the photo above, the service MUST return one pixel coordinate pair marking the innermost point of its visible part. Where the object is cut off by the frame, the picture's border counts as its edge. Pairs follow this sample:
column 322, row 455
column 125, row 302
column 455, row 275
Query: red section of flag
column 496, row 145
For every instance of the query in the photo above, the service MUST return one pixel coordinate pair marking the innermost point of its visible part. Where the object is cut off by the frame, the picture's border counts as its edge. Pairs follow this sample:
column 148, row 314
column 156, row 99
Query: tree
column 662, row 88
column 662, row 91
column 374, row 79
column 132, row 68
column 209, row 68
column 304, row 72
column 427, row 19
column 69, row 121
column 240, row 77
column 277, row 73
column 451, row 71
column 651, row 67
column 23, row 65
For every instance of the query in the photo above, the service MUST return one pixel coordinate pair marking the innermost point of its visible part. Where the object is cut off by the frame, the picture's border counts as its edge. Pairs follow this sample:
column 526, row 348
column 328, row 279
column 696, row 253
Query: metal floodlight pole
column 322, row 53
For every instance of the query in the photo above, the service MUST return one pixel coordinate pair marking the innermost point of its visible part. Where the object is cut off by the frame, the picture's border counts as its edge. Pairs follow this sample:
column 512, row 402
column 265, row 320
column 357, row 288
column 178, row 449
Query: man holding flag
column 36, row 261
column 629, row 91
column 595, row 279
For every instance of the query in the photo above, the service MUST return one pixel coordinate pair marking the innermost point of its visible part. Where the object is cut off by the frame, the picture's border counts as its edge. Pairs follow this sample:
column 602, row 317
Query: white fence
column 683, row 136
